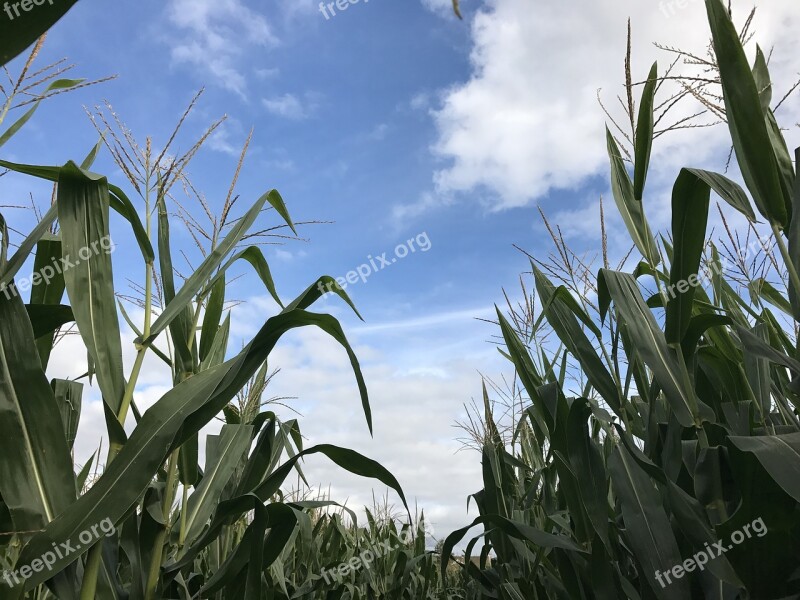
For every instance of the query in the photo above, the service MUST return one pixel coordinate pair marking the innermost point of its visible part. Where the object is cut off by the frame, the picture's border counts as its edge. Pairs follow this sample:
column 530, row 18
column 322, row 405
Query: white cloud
column 413, row 414
column 216, row 34
column 289, row 106
column 420, row 101
column 229, row 138
column 378, row 133
column 527, row 121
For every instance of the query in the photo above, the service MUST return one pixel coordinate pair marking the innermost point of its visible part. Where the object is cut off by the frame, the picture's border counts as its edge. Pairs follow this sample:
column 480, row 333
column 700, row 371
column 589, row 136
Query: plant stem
column 91, row 572
column 154, row 571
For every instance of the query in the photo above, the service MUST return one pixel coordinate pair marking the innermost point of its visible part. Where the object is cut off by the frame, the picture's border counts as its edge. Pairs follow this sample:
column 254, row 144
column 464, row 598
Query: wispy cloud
column 213, row 35
column 228, row 138
column 289, row 106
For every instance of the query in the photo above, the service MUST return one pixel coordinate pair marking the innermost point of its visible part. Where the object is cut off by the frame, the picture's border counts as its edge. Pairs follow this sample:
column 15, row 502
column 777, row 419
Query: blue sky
column 391, row 120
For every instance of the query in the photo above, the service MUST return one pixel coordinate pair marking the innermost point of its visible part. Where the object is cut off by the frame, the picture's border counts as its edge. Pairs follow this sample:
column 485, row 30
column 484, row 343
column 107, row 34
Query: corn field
column 653, row 452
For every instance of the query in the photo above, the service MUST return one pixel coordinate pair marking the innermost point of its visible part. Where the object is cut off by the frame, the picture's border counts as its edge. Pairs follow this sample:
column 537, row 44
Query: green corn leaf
column 36, row 478
column 766, row 291
column 763, row 81
column 92, row 155
column 690, row 200
column 728, row 190
column 526, row 371
column 647, row 527
column 757, row 346
column 49, row 289
column 233, row 445
column 644, row 134
column 178, row 416
column 15, row 263
column 784, row 159
column 198, row 279
column 123, row 206
column 630, row 209
column 561, row 316
column 323, row 285
column 60, row 84
column 117, row 199
column 779, row 455
column 255, row 257
column 83, row 214
column 181, row 329
column 211, row 319
column 83, row 475
column 27, row 26
column 749, row 132
column 794, row 242
column 587, row 464
column 688, row 512
column 45, row 319
column 513, row 529
column 651, row 345
column 347, row 459
column 216, row 354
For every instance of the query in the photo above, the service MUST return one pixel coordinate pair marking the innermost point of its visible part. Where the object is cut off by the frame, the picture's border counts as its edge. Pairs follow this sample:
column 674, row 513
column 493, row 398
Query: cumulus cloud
column 527, row 121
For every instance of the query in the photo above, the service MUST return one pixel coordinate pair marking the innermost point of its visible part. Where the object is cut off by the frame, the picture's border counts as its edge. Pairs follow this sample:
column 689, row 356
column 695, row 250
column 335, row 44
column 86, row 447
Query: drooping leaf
column 178, row 416
column 46, row 319
column 198, row 279
column 83, row 214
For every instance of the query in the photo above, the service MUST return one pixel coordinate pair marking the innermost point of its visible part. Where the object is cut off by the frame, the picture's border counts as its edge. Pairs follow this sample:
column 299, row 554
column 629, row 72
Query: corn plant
column 172, row 529
column 659, row 452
